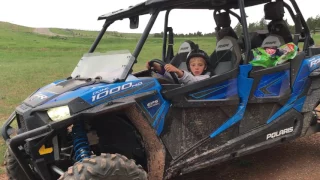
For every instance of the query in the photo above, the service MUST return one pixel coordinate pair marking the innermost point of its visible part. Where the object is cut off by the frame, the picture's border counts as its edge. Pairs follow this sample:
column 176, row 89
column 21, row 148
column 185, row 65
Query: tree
column 312, row 23
column 238, row 29
column 199, row 33
column 263, row 24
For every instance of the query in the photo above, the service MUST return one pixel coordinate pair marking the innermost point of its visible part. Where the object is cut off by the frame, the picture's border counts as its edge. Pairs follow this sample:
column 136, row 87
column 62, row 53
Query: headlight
column 59, row 113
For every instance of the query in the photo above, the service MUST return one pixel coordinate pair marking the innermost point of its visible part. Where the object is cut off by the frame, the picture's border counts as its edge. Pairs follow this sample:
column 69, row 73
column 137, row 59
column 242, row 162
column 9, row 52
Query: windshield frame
column 138, row 48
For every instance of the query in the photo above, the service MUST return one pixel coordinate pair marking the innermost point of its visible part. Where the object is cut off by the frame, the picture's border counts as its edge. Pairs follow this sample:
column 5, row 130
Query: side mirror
column 134, row 22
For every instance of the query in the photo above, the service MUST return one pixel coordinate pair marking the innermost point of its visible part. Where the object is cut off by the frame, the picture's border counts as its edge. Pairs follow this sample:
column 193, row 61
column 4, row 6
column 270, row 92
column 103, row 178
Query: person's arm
column 188, row 78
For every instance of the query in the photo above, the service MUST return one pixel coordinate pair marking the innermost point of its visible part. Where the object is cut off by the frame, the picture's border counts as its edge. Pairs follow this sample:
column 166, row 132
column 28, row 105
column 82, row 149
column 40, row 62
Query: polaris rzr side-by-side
column 105, row 122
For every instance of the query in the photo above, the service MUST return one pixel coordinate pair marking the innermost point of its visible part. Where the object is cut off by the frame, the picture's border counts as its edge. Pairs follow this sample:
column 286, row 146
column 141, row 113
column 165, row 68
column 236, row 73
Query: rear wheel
column 14, row 171
column 105, row 167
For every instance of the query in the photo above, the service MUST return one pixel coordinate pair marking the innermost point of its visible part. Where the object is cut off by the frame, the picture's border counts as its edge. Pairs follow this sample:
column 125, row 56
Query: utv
column 103, row 122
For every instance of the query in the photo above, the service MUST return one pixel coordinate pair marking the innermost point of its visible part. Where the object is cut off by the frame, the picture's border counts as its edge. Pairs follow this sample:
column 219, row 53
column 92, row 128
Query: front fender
column 153, row 145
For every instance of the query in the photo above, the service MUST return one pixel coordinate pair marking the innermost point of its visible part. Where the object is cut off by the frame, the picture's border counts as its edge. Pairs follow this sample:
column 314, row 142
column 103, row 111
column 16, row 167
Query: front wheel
column 105, row 167
column 13, row 169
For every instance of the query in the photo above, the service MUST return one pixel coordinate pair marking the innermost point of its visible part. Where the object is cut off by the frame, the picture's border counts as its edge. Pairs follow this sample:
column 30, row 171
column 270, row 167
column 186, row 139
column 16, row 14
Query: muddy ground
column 296, row 160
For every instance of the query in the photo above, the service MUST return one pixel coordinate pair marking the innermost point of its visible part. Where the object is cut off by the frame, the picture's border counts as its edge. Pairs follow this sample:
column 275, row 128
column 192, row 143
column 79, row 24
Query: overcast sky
column 75, row 14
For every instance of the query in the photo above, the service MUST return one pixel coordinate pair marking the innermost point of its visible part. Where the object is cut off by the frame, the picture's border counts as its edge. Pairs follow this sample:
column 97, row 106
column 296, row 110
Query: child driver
column 197, row 63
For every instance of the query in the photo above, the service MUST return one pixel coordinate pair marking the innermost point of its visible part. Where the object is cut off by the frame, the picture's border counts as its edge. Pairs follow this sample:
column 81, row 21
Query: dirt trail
column 3, row 177
column 296, row 160
column 44, row 31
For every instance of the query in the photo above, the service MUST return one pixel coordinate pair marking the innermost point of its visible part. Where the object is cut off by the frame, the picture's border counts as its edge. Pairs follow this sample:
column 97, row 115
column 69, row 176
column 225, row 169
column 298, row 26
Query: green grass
column 29, row 61
column 93, row 34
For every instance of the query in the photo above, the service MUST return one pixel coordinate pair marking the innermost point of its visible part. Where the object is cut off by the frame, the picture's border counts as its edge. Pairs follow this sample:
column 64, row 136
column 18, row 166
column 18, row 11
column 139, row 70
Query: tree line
column 195, row 34
column 313, row 24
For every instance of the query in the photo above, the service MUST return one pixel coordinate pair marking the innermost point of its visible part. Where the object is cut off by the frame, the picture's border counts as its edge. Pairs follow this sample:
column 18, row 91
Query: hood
column 88, row 92
column 53, row 90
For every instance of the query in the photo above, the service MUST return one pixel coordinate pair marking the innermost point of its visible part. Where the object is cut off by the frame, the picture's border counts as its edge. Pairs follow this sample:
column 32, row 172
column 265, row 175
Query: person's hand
column 171, row 68
column 155, row 66
column 147, row 65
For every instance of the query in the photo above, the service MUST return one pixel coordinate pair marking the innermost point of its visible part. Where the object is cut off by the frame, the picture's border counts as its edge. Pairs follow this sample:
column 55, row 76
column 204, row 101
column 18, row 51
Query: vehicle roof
column 149, row 5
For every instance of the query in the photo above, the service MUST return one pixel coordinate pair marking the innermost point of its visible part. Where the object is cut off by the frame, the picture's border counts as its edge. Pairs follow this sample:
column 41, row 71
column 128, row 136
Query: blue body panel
column 157, row 108
column 101, row 93
column 219, row 91
column 42, row 94
column 97, row 93
column 244, row 87
column 296, row 101
column 273, row 84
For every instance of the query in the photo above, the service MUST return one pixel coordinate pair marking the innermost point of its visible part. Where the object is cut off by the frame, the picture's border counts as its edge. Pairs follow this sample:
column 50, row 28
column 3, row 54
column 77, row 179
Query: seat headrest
column 226, row 56
column 255, row 39
column 273, row 41
column 227, row 31
column 180, row 58
column 229, row 44
column 274, row 11
column 222, row 19
column 187, row 47
column 224, row 44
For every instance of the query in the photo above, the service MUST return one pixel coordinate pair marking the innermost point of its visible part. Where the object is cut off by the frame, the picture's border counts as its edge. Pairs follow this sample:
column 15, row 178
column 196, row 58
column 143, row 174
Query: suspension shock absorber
column 80, row 141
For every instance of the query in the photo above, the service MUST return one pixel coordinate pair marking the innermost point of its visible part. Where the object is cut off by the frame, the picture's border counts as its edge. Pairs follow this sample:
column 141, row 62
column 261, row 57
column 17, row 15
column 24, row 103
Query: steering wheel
column 162, row 64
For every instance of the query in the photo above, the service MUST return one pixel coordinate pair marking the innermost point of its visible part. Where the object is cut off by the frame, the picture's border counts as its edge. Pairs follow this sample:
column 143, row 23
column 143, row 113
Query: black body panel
column 295, row 65
column 185, row 127
column 208, row 152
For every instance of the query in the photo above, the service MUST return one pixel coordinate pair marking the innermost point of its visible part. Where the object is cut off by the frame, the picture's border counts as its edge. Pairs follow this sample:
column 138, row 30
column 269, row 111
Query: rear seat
column 180, row 59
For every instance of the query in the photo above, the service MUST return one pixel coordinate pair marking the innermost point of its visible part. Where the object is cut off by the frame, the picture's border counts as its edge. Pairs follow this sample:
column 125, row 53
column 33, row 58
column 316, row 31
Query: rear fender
column 312, row 100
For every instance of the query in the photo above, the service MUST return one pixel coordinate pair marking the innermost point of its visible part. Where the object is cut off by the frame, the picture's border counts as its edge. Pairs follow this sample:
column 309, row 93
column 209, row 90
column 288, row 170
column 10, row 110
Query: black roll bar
column 305, row 26
column 235, row 15
column 141, row 42
column 164, row 38
column 145, row 34
column 247, row 42
column 287, row 6
column 103, row 30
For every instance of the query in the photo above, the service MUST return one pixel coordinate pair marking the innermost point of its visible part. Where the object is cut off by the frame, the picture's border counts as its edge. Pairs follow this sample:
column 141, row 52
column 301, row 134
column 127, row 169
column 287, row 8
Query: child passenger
column 197, row 63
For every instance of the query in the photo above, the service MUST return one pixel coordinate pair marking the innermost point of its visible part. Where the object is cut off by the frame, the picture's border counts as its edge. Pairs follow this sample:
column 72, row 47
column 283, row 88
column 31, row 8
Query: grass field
column 29, row 61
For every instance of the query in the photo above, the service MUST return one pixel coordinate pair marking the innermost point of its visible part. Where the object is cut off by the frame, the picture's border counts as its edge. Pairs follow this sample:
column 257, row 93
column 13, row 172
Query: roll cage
column 302, row 32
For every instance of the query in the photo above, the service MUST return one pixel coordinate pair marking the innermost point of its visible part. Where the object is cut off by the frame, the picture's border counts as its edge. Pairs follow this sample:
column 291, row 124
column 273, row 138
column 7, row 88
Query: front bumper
column 41, row 135
column 34, row 139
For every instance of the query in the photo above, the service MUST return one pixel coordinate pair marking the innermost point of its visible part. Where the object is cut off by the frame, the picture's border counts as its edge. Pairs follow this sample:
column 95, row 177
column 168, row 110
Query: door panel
column 197, row 110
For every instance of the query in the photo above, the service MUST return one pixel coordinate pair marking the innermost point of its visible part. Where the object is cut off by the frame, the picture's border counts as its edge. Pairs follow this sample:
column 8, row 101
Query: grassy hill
column 93, row 34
